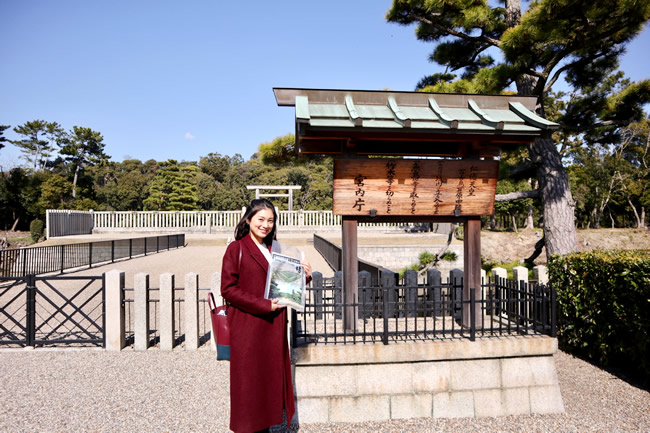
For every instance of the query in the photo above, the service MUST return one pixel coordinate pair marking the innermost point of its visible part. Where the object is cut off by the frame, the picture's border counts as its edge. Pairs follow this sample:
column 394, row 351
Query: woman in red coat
column 260, row 368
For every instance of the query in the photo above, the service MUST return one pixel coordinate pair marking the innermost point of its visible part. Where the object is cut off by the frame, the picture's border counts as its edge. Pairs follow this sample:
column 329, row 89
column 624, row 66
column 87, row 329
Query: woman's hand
column 307, row 268
column 275, row 306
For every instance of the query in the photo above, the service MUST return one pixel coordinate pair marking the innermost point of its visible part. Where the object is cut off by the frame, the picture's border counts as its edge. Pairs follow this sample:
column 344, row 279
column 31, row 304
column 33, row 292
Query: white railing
column 165, row 220
column 203, row 221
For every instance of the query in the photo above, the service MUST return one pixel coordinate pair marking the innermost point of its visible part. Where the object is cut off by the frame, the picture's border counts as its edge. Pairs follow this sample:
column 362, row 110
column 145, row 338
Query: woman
column 260, row 368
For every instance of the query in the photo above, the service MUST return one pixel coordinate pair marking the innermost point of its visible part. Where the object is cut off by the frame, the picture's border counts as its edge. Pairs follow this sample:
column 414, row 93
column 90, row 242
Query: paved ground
column 92, row 390
column 96, row 391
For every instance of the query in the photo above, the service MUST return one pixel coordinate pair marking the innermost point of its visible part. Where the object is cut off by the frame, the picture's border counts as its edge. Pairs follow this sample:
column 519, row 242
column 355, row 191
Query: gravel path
column 92, row 390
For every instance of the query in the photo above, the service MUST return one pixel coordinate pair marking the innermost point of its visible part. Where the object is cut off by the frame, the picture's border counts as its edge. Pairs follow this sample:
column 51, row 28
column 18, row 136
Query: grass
column 508, row 267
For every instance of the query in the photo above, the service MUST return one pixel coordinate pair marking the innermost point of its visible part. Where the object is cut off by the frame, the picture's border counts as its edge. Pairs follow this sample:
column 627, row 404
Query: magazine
column 285, row 281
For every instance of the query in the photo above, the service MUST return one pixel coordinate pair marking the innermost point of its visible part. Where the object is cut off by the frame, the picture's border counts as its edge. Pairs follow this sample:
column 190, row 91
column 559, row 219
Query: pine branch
column 516, row 195
column 452, row 32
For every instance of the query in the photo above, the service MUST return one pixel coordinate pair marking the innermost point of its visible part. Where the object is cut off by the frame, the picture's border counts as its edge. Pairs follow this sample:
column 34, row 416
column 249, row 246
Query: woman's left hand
column 307, row 268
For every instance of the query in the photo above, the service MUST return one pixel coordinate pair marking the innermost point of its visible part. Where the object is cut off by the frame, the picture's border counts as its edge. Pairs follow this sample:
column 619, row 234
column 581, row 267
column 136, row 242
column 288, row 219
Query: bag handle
column 211, row 304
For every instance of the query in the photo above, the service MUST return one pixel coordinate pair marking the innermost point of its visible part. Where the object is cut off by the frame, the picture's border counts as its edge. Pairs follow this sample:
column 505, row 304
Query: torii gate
column 462, row 133
column 290, row 188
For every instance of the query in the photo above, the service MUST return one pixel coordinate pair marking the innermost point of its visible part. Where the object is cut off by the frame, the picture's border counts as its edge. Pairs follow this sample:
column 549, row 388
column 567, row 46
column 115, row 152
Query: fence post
column 191, row 311
column 62, row 257
column 114, row 331
column 166, row 327
column 90, row 254
column 520, row 275
column 30, row 288
column 113, row 251
column 540, row 273
column 410, row 292
column 141, row 311
column 434, row 287
column 317, row 284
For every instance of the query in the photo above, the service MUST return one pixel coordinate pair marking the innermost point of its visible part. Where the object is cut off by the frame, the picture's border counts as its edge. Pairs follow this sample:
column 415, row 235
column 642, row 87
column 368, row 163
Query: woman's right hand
column 275, row 306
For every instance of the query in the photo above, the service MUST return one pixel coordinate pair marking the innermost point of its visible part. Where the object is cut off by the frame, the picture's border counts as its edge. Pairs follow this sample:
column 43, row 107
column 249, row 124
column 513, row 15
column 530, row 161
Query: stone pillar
column 389, row 297
column 166, row 327
column 191, row 311
column 541, row 274
column 366, row 295
column 317, row 284
column 141, row 311
column 520, row 273
column 411, row 292
column 434, row 286
column 455, row 289
column 114, row 328
column 500, row 273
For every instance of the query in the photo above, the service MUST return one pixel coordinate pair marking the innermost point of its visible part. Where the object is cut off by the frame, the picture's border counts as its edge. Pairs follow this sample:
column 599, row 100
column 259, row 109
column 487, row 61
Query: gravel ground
column 92, row 390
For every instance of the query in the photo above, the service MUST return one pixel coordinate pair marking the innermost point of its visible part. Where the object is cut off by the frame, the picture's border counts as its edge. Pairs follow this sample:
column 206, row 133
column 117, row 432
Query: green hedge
column 36, row 229
column 604, row 307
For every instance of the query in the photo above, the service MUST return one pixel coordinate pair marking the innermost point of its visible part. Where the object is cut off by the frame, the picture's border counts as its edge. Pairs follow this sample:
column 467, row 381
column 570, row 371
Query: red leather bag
column 220, row 328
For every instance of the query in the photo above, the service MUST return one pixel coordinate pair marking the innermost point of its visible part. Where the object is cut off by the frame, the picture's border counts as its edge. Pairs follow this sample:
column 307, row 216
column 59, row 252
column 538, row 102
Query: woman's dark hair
column 243, row 228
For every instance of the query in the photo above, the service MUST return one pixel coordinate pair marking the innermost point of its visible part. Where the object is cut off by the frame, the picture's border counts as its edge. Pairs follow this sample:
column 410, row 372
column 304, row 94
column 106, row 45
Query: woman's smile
column 261, row 224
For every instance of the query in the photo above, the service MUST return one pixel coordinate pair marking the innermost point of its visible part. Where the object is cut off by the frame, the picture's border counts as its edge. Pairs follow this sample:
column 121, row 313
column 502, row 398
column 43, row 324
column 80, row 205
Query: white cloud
column 189, row 136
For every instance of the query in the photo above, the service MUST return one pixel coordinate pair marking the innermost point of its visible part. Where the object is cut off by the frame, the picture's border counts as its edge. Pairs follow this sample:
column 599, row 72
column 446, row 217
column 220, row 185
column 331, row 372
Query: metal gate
column 52, row 311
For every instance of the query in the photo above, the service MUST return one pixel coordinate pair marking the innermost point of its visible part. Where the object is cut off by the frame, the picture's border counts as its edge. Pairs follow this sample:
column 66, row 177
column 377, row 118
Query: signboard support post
column 350, row 264
column 472, row 259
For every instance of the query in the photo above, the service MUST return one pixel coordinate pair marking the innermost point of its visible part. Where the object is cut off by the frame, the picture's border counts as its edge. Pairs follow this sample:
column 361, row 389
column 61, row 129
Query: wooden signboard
column 420, row 187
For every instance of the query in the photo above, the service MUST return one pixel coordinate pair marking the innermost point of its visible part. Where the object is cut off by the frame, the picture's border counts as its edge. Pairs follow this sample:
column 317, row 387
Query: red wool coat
column 260, row 368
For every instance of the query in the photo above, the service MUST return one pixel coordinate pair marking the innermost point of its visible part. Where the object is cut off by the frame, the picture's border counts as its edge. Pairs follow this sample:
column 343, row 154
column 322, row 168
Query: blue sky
column 178, row 80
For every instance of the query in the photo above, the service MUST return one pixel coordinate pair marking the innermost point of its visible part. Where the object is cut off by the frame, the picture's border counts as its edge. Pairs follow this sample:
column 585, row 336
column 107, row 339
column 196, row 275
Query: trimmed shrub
column 604, row 307
column 36, row 229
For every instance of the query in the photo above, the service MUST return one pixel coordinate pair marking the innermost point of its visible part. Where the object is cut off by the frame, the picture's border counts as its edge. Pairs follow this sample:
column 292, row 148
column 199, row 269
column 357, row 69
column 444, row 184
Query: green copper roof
column 345, row 114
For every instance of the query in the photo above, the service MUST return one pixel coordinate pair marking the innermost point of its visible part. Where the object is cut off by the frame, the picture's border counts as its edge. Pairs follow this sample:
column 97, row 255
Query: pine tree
column 576, row 39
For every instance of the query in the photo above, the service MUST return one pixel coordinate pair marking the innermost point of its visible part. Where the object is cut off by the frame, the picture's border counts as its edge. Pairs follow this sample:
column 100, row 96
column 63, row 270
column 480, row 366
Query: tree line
column 610, row 182
column 70, row 170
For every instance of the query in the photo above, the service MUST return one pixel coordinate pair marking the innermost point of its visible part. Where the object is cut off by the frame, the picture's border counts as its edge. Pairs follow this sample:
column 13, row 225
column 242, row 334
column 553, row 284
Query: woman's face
column 261, row 224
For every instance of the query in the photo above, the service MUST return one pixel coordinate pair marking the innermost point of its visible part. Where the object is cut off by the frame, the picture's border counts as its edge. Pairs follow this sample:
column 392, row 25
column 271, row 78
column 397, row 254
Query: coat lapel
column 255, row 253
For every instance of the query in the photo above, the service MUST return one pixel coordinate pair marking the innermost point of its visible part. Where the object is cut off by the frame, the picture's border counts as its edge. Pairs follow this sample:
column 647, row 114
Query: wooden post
column 472, row 259
column 350, row 273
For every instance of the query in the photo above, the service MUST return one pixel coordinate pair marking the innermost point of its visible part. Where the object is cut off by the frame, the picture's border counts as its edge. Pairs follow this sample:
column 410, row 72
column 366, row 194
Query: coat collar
column 255, row 252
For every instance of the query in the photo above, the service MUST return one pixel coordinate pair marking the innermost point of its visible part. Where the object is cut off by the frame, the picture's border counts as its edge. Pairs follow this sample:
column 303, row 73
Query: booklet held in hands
column 285, row 281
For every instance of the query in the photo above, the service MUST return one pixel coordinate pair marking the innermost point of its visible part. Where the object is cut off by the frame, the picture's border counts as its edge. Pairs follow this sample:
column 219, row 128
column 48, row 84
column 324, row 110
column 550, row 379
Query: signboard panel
column 420, row 187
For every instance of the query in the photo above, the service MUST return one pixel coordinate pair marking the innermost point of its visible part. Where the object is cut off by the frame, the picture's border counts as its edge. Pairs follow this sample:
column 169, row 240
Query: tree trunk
column 530, row 223
column 74, row 182
column 493, row 222
column 611, row 218
column 514, row 222
column 513, row 12
column 642, row 217
column 13, row 227
column 557, row 203
column 639, row 224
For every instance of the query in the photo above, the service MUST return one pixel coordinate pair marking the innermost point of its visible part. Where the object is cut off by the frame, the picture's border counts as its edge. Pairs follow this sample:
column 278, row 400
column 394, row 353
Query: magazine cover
column 286, row 281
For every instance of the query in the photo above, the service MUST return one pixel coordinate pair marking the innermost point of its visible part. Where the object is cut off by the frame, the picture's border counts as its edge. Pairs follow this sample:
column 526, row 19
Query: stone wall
column 440, row 379
column 399, row 257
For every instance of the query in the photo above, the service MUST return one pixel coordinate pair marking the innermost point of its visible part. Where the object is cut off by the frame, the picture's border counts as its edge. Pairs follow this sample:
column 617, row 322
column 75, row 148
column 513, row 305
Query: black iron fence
column 391, row 312
column 57, row 258
column 333, row 256
column 52, row 311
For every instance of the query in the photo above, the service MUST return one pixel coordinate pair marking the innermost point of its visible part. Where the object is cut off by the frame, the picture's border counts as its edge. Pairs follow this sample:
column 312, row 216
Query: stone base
column 440, row 379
